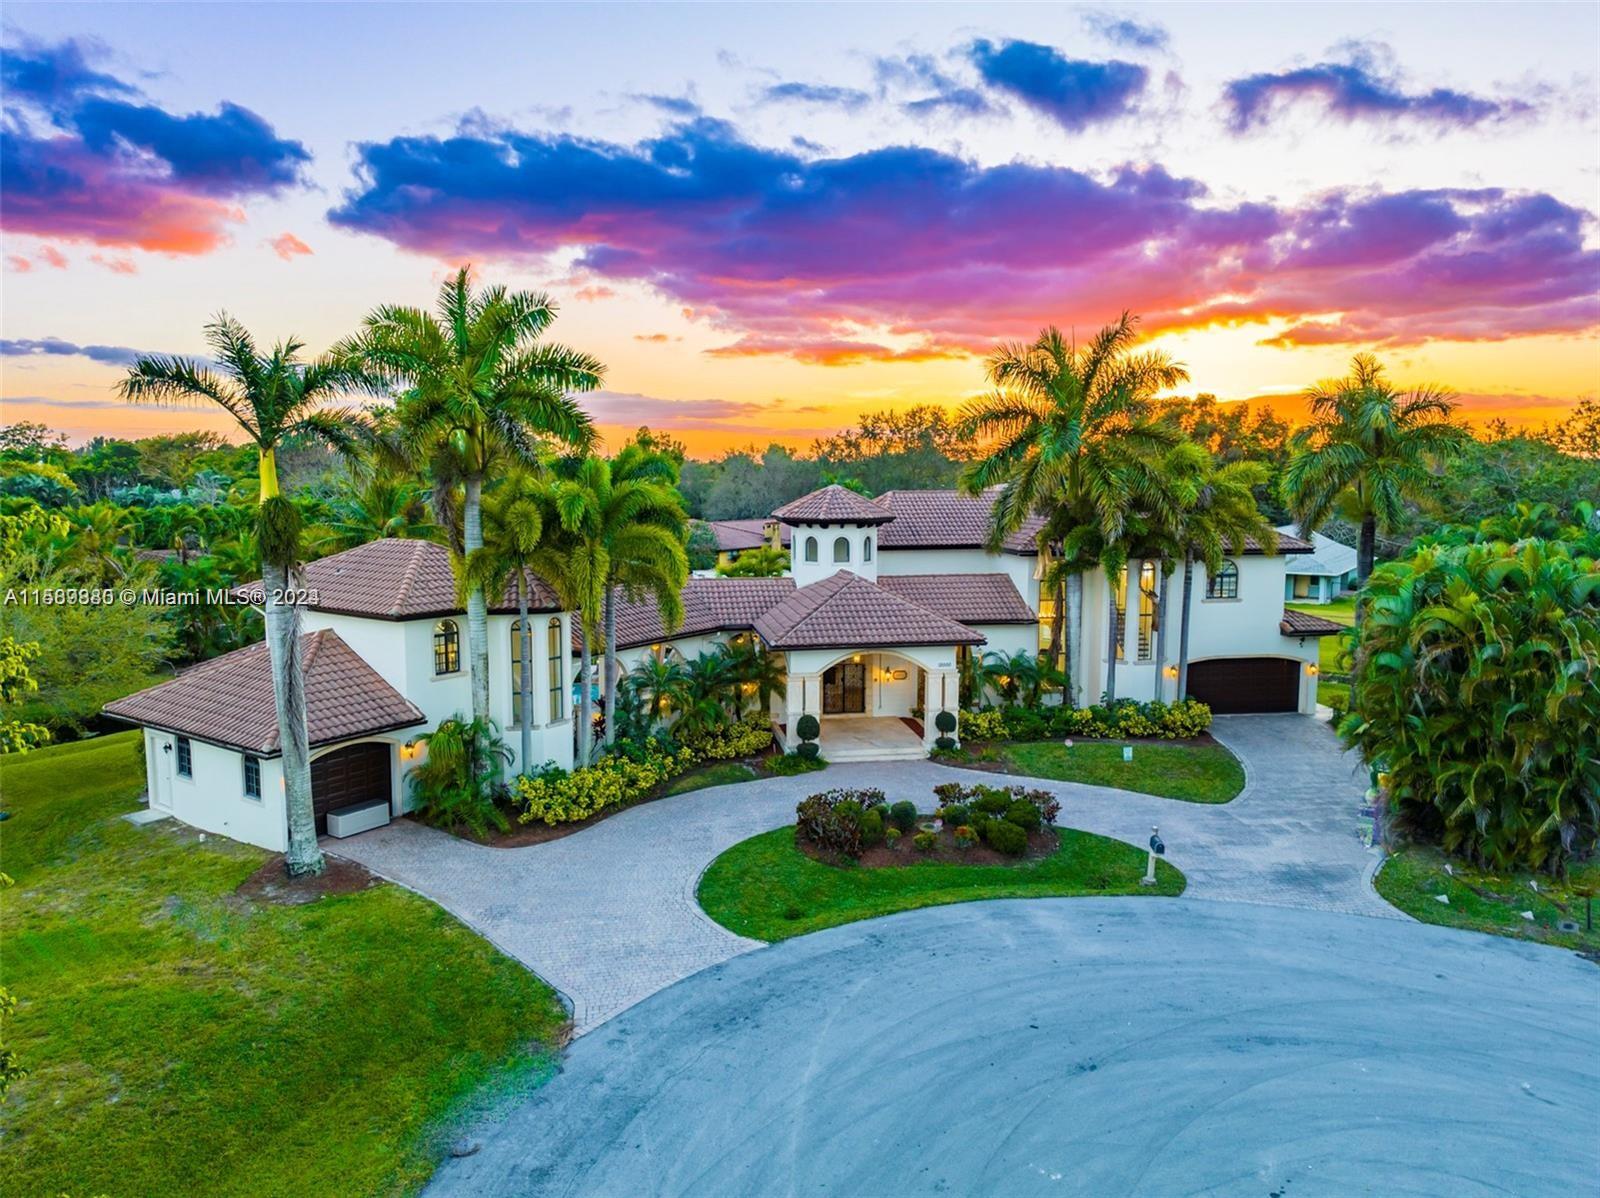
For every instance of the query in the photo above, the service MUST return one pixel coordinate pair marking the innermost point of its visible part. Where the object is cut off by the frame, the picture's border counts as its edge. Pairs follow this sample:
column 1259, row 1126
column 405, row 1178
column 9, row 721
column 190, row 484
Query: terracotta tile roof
column 833, row 504
column 709, row 605
column 738, row 534
column 399, row 579
column 846, row 611
column 947, row 520
column 228, row 700
column 1300, row 623
column 965, row 598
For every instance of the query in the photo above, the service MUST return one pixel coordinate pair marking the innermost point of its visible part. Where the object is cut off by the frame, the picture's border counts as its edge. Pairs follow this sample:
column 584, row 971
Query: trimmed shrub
column 795, row 763
column 1124, row 718
column 891, row 837
column 965, row 837
column 955, row 813
column 1024, row 815
column 1024, row 723
column 945, row 743
column 1005, row 837
column 808, row 749
column 872, row 830
column 987, row 724
column 554, row 797
column 749, row 736
column 808, row 727
column 903, row 815
column 949, row 792
column 991, row 800
column 925, row 842
column 841, row 821
column 945, row 722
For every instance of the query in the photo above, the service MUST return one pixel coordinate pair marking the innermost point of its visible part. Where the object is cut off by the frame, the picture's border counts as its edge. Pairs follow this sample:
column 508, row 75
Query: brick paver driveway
column 608, row 916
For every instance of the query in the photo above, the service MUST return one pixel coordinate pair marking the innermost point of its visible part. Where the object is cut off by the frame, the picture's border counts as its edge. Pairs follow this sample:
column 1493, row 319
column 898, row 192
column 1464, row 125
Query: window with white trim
column 841, row 549
column 1224, row 584
column 446, row 648
column 185, row 758
column 252, row 777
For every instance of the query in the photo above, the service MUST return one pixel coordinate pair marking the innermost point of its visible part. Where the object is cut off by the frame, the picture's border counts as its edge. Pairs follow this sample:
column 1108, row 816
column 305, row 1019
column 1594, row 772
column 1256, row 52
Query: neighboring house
column 884, row 600
column 384, row 655
column 735, row 536
column 1322, row 575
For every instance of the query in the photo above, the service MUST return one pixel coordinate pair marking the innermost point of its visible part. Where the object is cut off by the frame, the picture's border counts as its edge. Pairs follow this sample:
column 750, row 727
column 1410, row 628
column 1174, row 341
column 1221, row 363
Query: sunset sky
column 770, row 220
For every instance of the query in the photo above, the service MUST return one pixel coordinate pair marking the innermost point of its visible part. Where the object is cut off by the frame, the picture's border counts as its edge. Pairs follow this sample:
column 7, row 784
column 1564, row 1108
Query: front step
column 869, row 753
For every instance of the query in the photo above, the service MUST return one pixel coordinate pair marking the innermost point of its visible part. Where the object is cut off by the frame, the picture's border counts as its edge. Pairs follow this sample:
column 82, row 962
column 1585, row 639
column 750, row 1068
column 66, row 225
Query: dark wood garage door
column 346, row 776
column 1237, row 684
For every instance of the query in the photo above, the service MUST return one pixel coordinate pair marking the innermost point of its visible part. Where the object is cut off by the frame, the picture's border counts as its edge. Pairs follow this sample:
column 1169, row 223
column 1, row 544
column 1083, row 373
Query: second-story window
column 446, row 648
column 841, row 549
column 811, row 549
column 1224, row 584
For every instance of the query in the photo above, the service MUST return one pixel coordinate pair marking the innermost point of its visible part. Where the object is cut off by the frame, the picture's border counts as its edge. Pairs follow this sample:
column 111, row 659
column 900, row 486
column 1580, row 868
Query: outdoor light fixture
column 855, row 657
column 1311, row 668
column 1171, row 671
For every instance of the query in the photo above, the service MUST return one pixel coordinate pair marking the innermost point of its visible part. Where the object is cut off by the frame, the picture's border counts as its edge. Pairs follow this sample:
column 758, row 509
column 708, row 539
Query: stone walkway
column 608, row 915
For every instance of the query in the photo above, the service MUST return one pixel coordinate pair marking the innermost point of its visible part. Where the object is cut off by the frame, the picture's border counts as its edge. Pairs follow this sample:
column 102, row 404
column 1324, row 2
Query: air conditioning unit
column 358, row 817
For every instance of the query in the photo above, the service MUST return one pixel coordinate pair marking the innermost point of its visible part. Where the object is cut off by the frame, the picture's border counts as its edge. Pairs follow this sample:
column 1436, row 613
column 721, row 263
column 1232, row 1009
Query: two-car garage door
column 356, row 774
column 1230, row 685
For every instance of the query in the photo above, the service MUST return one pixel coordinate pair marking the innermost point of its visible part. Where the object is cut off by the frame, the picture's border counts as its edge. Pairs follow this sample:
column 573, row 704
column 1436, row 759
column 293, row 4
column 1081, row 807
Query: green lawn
column 1482, row 901
column 183, row 1040
column 768, row 889
column 1193, row 773
column 718, row 773
column 1341, row 611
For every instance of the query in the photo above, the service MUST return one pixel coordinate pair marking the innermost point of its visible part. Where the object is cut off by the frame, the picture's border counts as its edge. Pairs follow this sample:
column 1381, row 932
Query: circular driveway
column 1082, row 1046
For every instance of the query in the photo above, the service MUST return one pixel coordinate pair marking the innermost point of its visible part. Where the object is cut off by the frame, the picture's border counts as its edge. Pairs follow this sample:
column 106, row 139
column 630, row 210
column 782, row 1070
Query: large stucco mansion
column 884, row 598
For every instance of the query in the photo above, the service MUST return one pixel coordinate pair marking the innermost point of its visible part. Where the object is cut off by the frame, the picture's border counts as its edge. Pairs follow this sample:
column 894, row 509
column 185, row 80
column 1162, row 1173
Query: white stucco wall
column 213, row 799
column 856, row 536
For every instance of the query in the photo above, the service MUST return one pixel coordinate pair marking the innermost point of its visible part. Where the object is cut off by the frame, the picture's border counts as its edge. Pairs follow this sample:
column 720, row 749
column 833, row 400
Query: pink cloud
column 19, row 264
column 50, row 256
column 119, row 266
column 287, row 246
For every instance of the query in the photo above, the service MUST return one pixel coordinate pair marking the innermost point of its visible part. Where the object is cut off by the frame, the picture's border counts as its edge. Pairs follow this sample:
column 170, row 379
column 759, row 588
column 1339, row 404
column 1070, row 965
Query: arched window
column 1224, row 584
column 841, row 549
column 866, row 550
column 555, row 650
column 516, row 673
column 446, row 648
column 811, row 549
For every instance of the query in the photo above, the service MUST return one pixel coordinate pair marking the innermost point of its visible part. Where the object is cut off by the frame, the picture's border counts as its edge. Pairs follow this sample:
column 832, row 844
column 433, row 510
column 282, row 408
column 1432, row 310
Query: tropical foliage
column 1477, row 691
column 457, row 784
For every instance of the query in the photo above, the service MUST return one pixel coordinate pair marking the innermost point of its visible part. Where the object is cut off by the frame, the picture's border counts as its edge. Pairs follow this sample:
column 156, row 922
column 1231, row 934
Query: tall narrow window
column 866, row 550
column 1120, row 586
column 555, row 651
column 1147, row 609
column 1047, row 620
column 516, row 673
column 252, row 777
column 841, row 549
column 446, row 647
column 185, row 758
column 1224, row 584
column 811, row 549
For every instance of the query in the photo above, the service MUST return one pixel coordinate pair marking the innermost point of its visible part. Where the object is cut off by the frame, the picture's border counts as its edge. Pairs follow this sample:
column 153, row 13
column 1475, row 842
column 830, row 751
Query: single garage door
column 1237, row 684
column 354, row 775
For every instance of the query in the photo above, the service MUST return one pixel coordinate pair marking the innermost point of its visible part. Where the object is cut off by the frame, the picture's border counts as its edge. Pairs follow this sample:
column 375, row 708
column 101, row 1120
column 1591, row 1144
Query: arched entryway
column 844, row 689
column 357, row 773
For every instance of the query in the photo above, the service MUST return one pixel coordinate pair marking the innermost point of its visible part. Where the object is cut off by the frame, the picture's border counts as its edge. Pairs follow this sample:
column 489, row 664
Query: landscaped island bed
column 852, row 857
column 1194, row 773
column 184, row 1038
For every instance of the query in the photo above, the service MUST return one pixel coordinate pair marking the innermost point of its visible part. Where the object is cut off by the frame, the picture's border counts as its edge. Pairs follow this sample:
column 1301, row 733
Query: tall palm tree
column 374, row 503
column 1366, row 450
column 659, row 683
column 480, row 391
column 513, row 530
column 270, row 397
column 1067, row 434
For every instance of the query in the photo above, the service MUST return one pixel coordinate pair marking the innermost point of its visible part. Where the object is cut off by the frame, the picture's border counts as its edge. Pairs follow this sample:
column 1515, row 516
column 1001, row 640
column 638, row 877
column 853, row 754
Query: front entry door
column 844, row 689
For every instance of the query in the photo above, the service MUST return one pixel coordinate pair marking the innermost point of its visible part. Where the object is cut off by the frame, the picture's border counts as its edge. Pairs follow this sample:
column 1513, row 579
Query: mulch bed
column 1041, row 844
column 538, row 832
column 270, row 884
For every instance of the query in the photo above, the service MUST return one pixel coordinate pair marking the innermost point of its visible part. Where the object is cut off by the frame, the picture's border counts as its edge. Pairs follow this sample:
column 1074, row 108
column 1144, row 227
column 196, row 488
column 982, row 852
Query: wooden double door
column 844, row 689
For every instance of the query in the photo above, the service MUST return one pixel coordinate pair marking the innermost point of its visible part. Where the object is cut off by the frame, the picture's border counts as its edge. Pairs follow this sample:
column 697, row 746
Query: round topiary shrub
column 993, row 802
column 945, row 722
column 926, row 842
column 871, row 827
column 1024, row 815
column 903, row 815
column 808, row 749
column 1005, row 837
column 945, row 742
column 808, row 727
column 955, row 815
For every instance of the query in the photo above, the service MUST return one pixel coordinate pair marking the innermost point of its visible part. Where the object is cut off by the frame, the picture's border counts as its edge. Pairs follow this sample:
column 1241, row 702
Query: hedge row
column 1124, row 718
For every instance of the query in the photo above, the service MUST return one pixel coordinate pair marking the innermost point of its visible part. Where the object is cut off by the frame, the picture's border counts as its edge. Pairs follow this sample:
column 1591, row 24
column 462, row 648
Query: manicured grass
column 1330, row 649
column 185, row 1040
column 1483, row 901
column 1193, row 773
column 718, row 773
column 768, row 889
column 1334, row 694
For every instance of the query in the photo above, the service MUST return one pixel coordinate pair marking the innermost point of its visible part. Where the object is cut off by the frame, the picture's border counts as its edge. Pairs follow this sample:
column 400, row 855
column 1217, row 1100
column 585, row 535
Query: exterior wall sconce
column 1311, row 668
column 855, row 657
column 1171, row 671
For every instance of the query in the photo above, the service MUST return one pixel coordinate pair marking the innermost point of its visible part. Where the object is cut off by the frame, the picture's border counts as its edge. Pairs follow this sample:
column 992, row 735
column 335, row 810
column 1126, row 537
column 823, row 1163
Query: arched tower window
column 1224, row 584
column 811, row 549
column 841, row 549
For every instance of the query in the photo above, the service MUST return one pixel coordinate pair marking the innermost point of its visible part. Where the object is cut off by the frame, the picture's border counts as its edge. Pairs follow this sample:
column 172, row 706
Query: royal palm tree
column 1067, row 435
column 480, row 392
column 270, row 397
column 513, row 531
column 1366, row 450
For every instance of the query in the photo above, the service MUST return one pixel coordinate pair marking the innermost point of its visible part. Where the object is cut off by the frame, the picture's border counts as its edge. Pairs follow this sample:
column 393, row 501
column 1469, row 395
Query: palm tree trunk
column 1368, row 549
column 585, row 703
column 477, row 604
column 1161, row 629
column 611, row 665
column 1183, row 627
column 525, row 681
column 1113, row 639
column 288, row 692
column 1075, row 663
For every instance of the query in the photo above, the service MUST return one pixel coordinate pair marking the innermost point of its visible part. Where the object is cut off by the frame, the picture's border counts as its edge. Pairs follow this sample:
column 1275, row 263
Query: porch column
column 941, row 692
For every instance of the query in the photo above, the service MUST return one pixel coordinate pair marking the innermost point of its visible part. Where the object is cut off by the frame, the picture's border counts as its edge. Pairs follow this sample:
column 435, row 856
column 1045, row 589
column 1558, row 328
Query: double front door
column 844, row 689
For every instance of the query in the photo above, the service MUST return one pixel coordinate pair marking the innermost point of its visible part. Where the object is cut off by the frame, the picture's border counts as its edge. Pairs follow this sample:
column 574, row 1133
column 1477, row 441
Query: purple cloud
column 25, row 347
column 1124, row 31
column 1073, row 92
column 1358, row 90
column 851, row 99
column 82, row 157
column 804, row 256
column 940, row 92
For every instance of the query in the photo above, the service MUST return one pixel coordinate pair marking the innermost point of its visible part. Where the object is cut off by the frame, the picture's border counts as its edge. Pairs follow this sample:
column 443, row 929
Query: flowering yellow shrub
column 612, row 780
column 987, row 724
